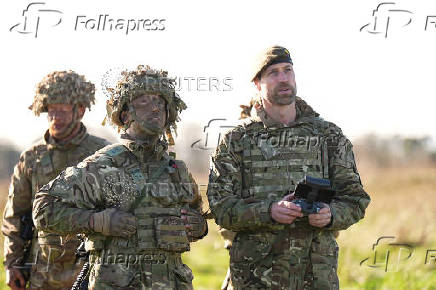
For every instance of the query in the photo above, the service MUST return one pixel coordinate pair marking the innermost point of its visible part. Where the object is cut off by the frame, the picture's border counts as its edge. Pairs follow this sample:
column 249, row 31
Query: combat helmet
column 134, row 83
column 63, row 87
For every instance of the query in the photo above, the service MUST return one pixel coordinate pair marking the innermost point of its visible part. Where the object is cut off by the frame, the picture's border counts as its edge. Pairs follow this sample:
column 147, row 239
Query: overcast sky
column 363, row 76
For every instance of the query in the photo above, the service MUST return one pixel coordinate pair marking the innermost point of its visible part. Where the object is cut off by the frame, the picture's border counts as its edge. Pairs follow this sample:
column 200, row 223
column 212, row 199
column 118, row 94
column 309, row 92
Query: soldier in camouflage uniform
column 138, row 207
column 256, row 168
column 64, row 96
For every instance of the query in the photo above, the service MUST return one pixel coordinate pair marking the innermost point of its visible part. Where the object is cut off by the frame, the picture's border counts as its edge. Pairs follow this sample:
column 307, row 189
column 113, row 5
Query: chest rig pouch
column 161, row 228
column 274, row 160
column 166, row 192
column 163, row 190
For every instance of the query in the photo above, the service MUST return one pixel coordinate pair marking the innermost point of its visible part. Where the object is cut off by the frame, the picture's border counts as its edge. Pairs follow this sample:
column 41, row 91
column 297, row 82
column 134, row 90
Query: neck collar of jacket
column 74, row 142
column 144, row 150
column 304, row 112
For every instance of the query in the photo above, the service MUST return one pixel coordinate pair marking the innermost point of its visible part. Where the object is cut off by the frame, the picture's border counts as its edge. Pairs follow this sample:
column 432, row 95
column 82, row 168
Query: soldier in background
column 256, row 167
column 64, row 96
column 138, row 207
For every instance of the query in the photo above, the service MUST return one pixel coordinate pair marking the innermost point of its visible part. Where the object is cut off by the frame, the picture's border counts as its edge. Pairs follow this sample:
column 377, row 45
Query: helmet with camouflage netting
column 133, row 84
column 63, row 87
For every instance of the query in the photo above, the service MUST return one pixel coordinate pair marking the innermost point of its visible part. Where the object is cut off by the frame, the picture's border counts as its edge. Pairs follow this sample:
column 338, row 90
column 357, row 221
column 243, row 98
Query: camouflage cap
column 143, row 80
column 271, row 55
column 63, row 87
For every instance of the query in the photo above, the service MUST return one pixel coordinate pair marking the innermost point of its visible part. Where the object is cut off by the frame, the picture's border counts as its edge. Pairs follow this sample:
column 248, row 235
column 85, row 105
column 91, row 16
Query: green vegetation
column 403, row 205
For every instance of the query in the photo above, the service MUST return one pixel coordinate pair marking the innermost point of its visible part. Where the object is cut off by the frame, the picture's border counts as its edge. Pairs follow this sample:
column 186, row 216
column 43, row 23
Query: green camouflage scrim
column 55, row 255
column 255, row 165
column 137, row 179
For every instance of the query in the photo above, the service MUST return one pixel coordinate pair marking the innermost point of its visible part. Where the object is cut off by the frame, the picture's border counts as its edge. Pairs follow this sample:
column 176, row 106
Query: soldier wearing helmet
column 47, row 260
column 138, row 206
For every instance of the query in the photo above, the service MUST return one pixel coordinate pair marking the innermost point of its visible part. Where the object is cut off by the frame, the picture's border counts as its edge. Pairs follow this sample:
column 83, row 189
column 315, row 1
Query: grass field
column 403, row 206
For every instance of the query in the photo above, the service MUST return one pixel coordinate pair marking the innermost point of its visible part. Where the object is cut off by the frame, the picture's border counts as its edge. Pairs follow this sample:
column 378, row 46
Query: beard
column 276, row 98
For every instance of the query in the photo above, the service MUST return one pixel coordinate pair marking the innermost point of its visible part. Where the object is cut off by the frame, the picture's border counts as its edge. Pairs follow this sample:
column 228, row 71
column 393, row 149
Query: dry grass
column 403, row 205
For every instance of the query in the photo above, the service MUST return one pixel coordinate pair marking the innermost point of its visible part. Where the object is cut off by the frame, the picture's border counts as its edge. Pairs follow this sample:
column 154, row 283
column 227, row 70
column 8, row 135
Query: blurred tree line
column 8, row 158
column 395, row 151
column 371, row 150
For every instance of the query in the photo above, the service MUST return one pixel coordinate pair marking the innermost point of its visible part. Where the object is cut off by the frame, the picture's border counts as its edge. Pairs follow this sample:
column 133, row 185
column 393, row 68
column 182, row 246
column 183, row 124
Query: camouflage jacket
column 37, row 166
column 259, row 162
column 134, row 178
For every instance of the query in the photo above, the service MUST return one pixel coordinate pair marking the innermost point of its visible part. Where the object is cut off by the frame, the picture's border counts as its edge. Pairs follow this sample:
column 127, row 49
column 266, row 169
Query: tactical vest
column 49, row 162
column 154, row 192
column 274, row 160
column 44, row 170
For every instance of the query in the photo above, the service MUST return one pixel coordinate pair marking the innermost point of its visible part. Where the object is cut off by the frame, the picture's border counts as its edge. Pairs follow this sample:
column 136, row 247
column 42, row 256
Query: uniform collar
column 303, row 113
column 53, row 144
column 144, row 151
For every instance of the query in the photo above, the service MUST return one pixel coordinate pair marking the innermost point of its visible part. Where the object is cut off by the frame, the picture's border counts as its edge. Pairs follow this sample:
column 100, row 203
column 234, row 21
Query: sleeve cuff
column 265, row 212
column 330, row 225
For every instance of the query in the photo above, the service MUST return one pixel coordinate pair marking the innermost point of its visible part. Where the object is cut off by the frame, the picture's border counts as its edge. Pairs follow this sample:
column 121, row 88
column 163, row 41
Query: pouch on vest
column 170, row 233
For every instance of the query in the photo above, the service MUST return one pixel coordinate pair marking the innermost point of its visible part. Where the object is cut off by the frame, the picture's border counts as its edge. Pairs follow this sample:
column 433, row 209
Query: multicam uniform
column 154, row 191
column 137, row 177
column 52, row 256
column 258, row 163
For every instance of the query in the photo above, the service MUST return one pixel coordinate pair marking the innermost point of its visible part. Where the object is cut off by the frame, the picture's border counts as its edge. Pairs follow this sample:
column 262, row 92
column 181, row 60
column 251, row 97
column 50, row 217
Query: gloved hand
column 15, row 279
column 113, row 222
column 195, row 223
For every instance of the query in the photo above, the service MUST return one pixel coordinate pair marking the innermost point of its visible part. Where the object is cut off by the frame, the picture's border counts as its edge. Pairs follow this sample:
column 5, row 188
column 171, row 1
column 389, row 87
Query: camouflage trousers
column 148, row 270
column 296, row 259
column 54, row 266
